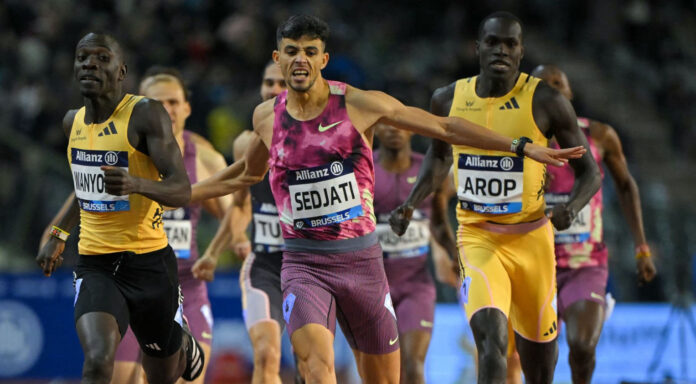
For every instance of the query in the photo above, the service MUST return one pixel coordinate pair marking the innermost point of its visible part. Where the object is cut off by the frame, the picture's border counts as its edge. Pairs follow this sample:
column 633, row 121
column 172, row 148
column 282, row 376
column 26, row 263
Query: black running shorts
column 140, row 290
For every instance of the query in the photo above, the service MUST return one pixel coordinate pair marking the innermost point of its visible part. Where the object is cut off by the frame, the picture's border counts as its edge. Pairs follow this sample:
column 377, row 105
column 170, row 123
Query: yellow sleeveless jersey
column 498, row 186
column 110, row 223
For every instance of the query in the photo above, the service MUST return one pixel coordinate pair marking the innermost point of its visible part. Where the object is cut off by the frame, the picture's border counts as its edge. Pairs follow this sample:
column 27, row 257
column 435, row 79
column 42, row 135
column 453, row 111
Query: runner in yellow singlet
column 505, row 240
column 126, row 165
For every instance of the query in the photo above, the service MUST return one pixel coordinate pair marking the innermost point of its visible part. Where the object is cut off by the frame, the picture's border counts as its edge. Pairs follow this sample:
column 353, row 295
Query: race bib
column 267, row 235
column 324, row 195
column 414, row 242
column 490, row 184
column 580, row 228
column 89, row 179
column 177, row 226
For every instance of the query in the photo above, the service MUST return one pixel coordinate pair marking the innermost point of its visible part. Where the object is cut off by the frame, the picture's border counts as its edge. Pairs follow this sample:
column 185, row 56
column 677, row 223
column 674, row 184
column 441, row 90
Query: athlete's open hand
column 118, row 182
column 204, row 268
column 400, row 218
column 49, row 257
column 552, row 156
column 645, row 269
column 561, row 216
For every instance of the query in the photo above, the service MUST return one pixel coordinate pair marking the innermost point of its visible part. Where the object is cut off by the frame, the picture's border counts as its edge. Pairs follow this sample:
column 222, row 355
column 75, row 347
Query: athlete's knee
column 582, row 349
column 412, row 362
column 98, row 366
column 412, row 372
column 316, row 368
column 267, row 355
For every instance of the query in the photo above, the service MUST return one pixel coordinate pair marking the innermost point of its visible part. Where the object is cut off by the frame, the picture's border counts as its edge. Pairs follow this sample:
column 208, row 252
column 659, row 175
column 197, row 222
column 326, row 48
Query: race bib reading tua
column 490, row 184
column 267, row 235
column 580, row 228
column 414, row 242
column 89, row 179
column 324, row 195
column 177, row 226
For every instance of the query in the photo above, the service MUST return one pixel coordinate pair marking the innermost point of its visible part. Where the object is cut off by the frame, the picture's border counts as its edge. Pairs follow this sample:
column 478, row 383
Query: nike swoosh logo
column 411, row 180
column 426, row 324
column 596, row 296
column 392, row 342
column 206, row 335
column 326, row 128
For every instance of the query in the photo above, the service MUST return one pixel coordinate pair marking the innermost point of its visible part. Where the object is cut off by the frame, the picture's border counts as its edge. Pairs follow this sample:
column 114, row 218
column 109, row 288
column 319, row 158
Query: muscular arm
column 369, row 107
column 152, row 133
column 439, row 221
column 246, row 171
column 625, row 184
column 555, row 116
column 438, row 159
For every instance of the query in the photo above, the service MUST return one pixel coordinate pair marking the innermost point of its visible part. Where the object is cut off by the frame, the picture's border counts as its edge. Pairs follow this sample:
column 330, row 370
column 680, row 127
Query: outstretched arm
column 629, row 197
column 370, row 107
column 553, row 111
column 152, row 133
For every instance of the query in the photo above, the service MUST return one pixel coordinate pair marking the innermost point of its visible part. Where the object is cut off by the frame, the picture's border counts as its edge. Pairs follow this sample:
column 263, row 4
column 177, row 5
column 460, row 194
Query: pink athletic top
column 321, row 174
column 582, row 244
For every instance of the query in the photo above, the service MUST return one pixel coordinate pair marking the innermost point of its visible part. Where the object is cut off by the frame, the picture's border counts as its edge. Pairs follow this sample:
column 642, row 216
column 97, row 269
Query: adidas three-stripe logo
column 512, row 104
column 153, row 345
column 111, row 129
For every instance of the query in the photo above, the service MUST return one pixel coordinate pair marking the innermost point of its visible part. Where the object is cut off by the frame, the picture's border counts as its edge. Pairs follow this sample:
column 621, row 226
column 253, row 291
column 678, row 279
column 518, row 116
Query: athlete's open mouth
column 300, row 74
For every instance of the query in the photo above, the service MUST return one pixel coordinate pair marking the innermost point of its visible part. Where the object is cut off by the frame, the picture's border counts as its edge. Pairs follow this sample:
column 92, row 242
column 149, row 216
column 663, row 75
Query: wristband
column 517, row 145
column 642, row 251
column 59, row 234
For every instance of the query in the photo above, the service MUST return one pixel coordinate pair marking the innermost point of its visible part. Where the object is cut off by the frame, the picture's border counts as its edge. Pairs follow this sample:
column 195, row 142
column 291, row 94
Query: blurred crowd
column 406, row 48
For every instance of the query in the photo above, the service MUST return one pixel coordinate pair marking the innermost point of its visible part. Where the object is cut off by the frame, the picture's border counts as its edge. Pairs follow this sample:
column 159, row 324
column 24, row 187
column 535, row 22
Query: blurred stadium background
column 631, row 64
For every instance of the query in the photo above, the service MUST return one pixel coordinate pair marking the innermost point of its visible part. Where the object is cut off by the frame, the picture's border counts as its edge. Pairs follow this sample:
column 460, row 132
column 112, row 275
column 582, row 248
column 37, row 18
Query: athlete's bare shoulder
column 441, row 101
column 264, row 115
column 551, row 110
column 200, row 141
column 68, row 120
column 598, row 130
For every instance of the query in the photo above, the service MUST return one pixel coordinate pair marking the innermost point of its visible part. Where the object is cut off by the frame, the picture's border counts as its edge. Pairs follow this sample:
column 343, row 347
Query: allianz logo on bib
column 336, row 169
column 505, row 163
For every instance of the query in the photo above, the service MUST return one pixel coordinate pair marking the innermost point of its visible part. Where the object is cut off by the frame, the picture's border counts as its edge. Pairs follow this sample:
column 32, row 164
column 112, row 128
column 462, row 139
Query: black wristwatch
column 517, row 145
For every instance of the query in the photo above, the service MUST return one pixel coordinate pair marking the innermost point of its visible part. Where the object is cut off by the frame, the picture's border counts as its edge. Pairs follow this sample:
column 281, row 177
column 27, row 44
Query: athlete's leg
column 99, row 336
column 313, row 346
column 514, row 368
column 414, row 347
column 489, row 326
column 583, row 321
column 538, row 360
column 262, row 301
column 581, row 304
column 127, row 368
column 381, row 369
column 265, row 339
column 127, row 372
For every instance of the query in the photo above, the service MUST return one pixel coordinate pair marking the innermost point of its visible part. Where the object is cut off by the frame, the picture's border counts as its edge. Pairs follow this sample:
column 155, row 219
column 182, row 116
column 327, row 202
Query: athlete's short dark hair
column 173, row 72
column 111, row 40
column 499, row 15
column 303, row 25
